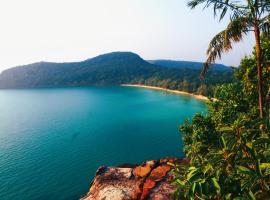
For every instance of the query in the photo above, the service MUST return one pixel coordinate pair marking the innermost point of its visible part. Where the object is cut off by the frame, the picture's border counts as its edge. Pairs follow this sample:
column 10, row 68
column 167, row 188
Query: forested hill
column 111, row 69
column 187, row 65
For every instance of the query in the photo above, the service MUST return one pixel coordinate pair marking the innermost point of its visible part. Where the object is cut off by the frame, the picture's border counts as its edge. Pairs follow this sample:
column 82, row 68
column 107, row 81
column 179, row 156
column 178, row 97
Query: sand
column 200, row 97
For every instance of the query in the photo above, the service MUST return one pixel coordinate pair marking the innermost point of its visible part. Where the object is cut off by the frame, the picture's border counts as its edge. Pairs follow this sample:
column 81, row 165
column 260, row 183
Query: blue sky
column 73, row 30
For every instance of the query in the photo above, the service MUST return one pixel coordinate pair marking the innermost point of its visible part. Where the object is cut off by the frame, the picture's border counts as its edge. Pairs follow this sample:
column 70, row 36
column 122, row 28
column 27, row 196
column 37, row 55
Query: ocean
column 53, row 140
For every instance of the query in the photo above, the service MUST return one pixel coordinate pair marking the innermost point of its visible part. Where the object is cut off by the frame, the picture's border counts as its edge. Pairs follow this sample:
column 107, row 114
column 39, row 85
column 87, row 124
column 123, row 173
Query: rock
column 156, row 176
column 163, row 190
column 145, row 169
column 151, row 180
column 160, row 172
column 147, row 186
column 151, row 163
column 114, row 183
column 101, row 170
column 141, row 171
column 166, row 160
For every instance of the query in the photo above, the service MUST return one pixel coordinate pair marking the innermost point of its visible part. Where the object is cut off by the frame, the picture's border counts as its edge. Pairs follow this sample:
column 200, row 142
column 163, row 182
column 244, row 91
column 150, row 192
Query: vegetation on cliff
column 229, row 148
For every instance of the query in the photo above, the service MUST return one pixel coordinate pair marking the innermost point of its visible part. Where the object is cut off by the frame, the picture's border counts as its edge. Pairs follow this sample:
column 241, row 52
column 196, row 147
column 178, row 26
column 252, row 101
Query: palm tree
column 245, row 16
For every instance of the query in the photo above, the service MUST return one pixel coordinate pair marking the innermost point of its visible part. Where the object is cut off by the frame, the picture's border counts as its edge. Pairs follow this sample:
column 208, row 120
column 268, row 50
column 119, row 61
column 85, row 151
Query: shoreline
column 200, row 97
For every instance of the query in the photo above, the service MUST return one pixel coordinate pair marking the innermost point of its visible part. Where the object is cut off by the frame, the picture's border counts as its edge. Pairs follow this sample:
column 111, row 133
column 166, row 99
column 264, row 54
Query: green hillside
column 111, row 69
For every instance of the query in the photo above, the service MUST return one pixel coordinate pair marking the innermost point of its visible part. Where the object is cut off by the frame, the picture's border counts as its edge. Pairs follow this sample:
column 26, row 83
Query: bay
column 53, row 140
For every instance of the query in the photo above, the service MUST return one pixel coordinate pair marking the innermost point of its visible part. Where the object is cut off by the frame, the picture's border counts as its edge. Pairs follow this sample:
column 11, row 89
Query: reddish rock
column 147, row 186
column 141, row 171
column 114, row 183
column 145, row 169
column 166, row 160
column 151, row 163
column 160, row 172
column 156, row 176
column 148, row 181
column 163, row 190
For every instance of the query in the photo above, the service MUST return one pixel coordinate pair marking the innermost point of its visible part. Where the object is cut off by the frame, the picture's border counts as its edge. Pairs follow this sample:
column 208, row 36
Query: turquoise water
column 53, row 140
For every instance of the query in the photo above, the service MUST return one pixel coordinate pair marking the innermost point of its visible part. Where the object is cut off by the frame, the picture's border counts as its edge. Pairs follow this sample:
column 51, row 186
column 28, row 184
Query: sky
column 75, row 30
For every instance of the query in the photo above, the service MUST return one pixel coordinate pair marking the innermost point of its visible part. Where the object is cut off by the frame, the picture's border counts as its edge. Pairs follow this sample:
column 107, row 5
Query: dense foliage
column 187, row 65
column 112, row 69
column 229, row 148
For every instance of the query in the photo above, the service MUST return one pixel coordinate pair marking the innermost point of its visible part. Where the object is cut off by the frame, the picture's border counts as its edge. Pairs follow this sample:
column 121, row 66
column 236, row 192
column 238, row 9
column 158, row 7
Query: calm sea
column 53, row 140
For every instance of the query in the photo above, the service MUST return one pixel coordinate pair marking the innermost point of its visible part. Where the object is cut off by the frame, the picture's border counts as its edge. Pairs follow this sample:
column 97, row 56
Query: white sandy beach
column 201, row 97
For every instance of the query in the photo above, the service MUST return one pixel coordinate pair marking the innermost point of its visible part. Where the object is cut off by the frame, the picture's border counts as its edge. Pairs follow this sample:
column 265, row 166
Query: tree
column 245, row 16
column 229, row 152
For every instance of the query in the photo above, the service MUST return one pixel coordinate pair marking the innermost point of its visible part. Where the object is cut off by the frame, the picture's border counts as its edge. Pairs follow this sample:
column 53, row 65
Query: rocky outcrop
column 151, row 180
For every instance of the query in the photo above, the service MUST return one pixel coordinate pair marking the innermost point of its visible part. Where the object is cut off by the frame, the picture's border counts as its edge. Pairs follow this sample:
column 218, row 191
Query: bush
column 229, row 148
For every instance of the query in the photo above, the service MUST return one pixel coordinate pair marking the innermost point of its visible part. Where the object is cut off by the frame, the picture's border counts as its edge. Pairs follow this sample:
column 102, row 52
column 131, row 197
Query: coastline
column 200, row 97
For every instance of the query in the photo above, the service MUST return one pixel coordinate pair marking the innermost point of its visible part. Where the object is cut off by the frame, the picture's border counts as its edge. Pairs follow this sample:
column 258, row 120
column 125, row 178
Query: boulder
column 151, row 180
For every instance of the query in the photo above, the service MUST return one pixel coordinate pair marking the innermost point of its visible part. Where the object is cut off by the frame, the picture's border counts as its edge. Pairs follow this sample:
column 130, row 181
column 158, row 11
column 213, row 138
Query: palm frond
column 222, row 42
column 194, row 3
column 220, row 7
column 264, row 5
column 265, row 25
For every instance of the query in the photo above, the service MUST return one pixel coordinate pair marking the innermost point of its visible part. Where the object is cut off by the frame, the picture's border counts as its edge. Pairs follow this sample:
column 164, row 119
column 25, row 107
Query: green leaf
column 228, row 196
column 207, row 168
column 249, row 144
column 246, row 185
column 251, row 195
column 258, row 168
column 191, row 173
column 267, row 172
column 171, row 164
column 193, row 187
column 180, row 182
column 263, row 166
column 192, row 190
column 196, row 177
column 265, row 185
column 223, row 142
column 216, row 185
column 244, row 170
column 226, row 129
column 199, row 186
column 231, row 143
column 192, row 168
column 262, row 141
column 239, row 198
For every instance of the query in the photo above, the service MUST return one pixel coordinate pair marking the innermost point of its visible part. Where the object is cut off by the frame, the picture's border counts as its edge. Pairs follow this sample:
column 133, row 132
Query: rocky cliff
column 151, row 180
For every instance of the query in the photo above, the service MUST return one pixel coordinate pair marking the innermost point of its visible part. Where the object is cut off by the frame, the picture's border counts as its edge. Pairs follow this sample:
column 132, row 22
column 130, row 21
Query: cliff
column 151, row 180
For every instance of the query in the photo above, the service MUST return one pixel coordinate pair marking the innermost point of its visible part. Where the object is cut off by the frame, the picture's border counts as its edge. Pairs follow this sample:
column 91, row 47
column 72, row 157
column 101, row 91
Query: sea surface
column 53, row 140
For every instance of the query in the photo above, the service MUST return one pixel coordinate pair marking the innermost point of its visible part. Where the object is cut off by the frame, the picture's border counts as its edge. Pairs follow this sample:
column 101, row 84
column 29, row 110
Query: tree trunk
column 267, row 102
column 259, row 67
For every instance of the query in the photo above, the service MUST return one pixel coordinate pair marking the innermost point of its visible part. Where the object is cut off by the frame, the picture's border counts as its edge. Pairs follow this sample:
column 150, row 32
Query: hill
column 187, row 65
column 110, row 69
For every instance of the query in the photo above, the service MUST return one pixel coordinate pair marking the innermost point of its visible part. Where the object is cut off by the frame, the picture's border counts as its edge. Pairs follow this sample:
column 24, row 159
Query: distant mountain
column 103, row 69
column 187, row 65
column 109, row 69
